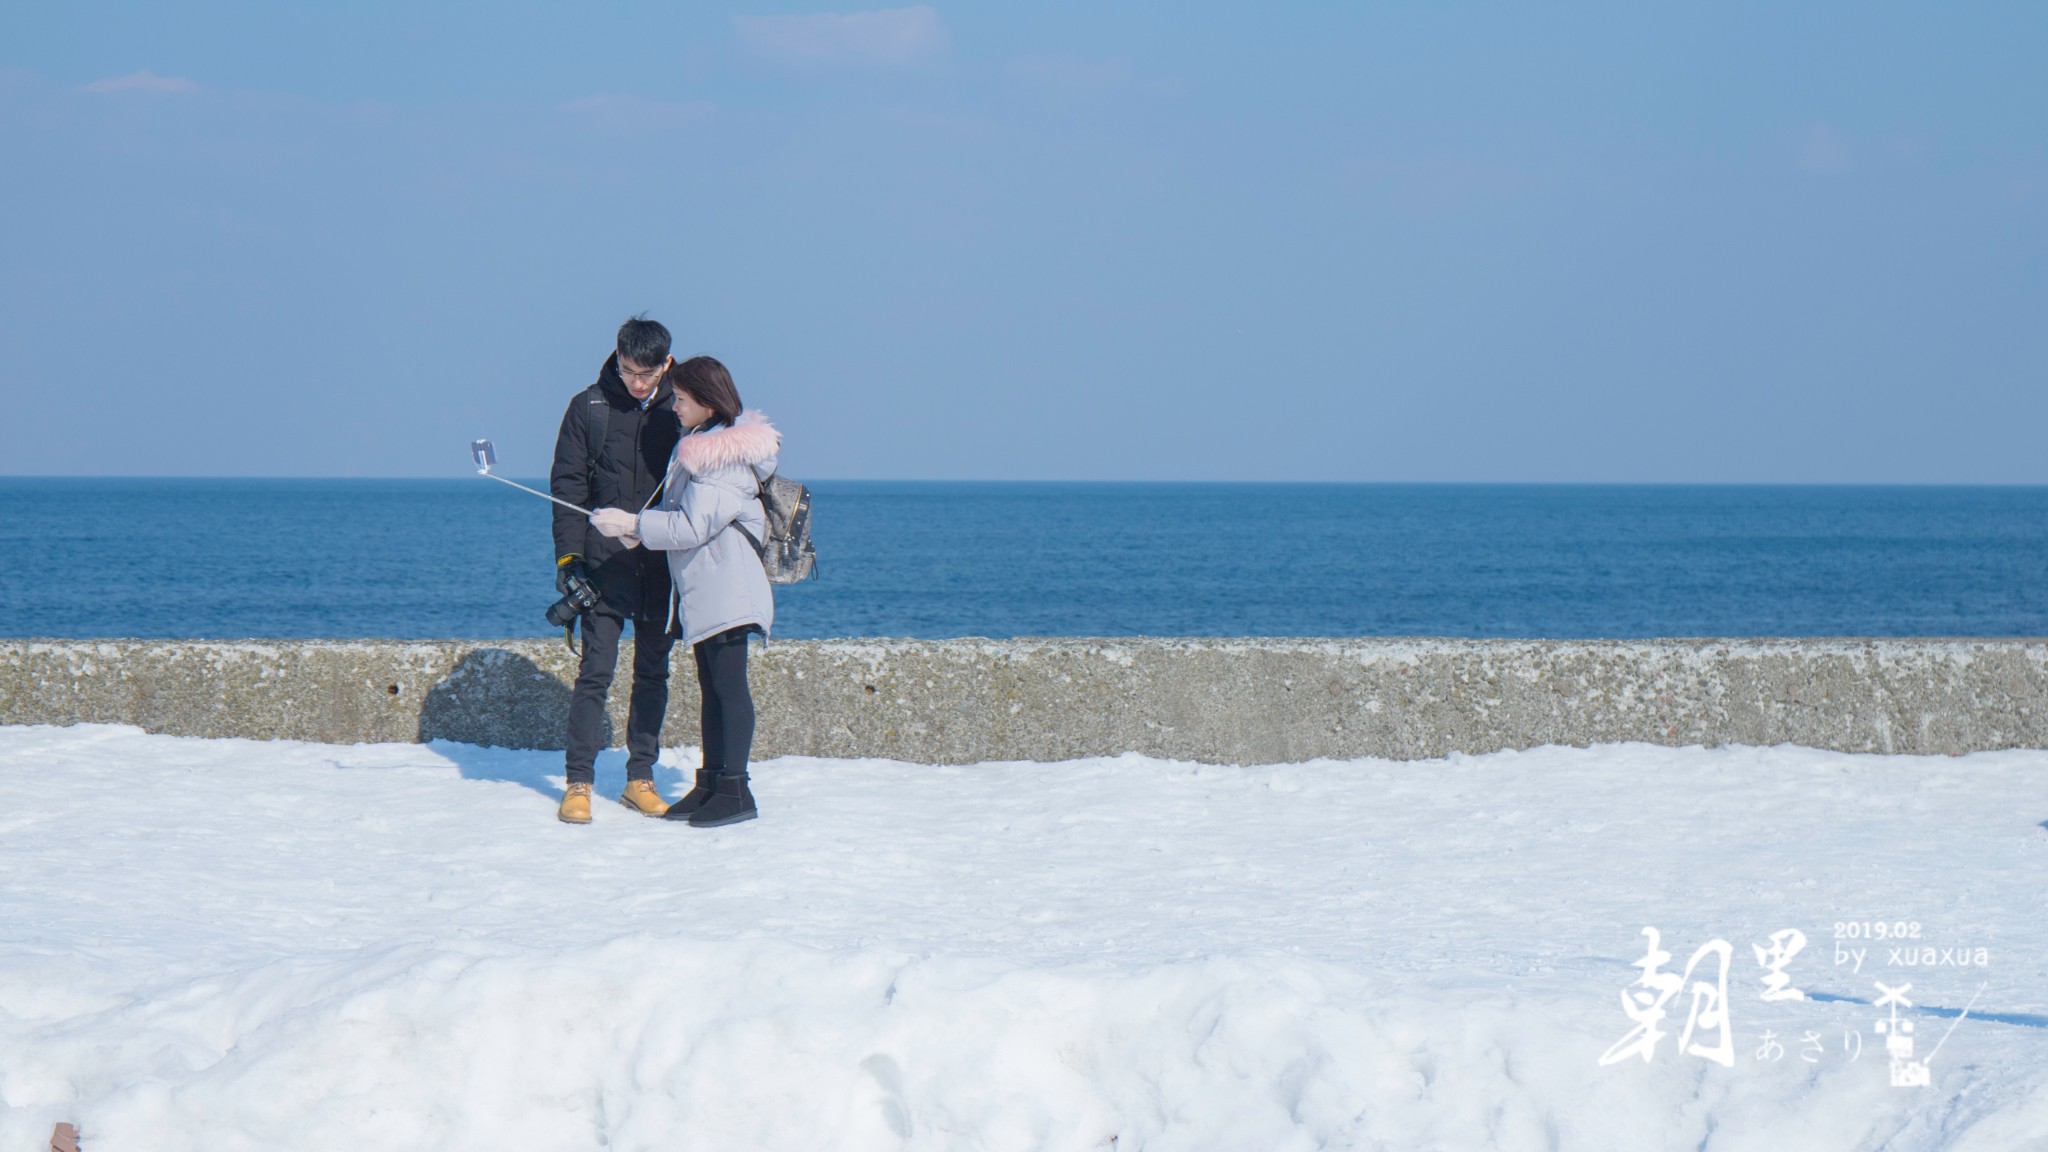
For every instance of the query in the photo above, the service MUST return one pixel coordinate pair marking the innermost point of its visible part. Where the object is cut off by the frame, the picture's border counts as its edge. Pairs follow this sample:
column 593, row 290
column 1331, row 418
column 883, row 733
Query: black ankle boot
column 730, row 803
column 694, row 799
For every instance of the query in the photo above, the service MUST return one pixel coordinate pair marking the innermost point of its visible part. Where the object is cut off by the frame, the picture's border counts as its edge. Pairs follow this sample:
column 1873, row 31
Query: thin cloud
column 889, row 36
column 1071, row 74
column 1073, row 77
column 1437, row 185
column 620, row 112
column 618, row 103
column 1825, row 153
column 143, row 81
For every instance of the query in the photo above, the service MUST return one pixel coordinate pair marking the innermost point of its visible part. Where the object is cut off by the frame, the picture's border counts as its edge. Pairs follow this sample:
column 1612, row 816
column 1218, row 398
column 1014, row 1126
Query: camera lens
column 562, row 612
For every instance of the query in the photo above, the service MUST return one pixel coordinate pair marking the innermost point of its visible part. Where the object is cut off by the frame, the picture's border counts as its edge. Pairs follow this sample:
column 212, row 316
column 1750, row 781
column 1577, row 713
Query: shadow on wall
column 494, row 699
column 498, row 698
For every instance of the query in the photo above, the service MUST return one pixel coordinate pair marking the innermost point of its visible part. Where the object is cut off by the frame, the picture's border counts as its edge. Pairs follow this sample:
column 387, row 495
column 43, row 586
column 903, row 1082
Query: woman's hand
column 618, row 523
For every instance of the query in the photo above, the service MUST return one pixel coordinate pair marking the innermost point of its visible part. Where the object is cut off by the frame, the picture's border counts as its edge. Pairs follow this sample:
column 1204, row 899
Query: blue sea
column 466, row 558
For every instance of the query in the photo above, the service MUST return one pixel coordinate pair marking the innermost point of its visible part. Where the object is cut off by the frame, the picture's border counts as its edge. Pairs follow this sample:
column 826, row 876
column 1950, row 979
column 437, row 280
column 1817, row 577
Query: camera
column 579, row 598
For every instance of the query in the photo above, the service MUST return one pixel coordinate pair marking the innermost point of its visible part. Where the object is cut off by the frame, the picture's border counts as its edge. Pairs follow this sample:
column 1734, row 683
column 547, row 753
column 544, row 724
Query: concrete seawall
column 963, row 701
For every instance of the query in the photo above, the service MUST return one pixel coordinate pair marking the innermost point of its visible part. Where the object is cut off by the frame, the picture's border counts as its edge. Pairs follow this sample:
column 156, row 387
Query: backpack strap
column 766, row 502
column 597, row 418
column 760, row 549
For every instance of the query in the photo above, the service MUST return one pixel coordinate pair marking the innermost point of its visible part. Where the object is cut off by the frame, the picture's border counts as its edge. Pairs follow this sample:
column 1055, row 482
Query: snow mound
column 396, row 947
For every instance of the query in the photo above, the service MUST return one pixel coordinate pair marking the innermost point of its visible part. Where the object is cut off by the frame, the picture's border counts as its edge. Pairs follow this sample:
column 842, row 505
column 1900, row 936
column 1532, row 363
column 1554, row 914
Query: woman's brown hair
column 709, row 384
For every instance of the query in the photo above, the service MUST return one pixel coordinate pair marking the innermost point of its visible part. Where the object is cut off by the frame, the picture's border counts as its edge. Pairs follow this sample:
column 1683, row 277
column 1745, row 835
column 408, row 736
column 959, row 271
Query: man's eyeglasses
column 638, row 373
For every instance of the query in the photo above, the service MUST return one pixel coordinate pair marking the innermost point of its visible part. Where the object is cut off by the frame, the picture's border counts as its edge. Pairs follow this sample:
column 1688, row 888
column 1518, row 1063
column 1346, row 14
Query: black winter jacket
column 623, row 474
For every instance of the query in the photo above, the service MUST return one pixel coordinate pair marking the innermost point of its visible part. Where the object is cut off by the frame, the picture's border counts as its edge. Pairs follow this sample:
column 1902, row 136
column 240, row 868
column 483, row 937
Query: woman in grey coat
column 709, row 521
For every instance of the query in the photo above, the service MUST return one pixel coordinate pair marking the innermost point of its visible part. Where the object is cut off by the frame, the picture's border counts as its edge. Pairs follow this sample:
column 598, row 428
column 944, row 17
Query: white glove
column 617, row 522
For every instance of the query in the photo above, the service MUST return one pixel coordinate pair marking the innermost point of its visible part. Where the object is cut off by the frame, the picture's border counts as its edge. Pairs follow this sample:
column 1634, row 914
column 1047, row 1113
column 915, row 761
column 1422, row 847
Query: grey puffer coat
column 714, row 481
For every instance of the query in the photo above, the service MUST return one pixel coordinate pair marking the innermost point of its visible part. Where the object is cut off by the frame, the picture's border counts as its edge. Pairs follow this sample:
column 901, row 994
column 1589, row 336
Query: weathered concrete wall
column 962, row 701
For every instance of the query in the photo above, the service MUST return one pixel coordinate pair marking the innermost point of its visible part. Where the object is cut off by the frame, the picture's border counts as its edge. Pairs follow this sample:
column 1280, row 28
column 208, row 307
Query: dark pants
column 728, row 715
column 651, row 644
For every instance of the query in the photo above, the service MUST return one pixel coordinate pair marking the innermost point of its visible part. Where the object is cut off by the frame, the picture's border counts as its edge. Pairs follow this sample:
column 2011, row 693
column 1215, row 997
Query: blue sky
column 1741, row 243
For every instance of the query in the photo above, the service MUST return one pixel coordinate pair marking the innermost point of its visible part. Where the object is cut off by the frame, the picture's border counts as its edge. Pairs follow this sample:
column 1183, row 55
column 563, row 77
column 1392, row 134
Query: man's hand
column 566, row 567
column 617, row 522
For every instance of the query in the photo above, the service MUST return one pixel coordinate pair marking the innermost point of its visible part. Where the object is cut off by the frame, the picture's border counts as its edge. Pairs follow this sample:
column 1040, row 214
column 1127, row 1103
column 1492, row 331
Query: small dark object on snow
column 64, row 1138
column 730, row 803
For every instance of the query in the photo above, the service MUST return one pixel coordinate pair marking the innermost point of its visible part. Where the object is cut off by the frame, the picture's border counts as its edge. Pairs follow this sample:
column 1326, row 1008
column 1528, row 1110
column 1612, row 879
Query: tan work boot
column 575, row 807
column 641, row 797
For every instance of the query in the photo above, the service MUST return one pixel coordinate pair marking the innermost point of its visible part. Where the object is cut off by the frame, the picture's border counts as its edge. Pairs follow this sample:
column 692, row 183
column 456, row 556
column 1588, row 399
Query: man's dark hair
column 709, row 384
column 643, row 341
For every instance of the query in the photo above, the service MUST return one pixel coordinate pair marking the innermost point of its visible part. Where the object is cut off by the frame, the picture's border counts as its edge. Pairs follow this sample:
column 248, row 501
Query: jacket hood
column 613, row 386
column 750, row 440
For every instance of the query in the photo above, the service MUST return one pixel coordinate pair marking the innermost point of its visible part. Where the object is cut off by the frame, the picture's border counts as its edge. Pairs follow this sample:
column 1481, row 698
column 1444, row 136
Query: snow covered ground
column 218, row 944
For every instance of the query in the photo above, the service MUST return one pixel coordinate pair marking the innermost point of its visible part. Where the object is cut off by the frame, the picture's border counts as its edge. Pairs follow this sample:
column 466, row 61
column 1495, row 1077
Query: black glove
column 568, row 566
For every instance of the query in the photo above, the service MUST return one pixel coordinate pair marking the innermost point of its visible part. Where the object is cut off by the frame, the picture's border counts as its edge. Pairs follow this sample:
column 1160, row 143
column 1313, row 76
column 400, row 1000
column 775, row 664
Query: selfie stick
column 486, row 456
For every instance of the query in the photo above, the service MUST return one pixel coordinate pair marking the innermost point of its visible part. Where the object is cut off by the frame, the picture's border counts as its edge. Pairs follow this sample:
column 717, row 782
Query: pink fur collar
column 749, row 441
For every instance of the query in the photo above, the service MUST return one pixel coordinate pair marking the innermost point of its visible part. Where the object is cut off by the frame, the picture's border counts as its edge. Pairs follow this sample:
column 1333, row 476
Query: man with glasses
column 612, row 452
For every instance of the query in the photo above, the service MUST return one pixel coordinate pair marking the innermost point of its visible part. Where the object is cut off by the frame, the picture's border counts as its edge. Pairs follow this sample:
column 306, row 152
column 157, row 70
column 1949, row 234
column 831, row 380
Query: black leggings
column 728, row 716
